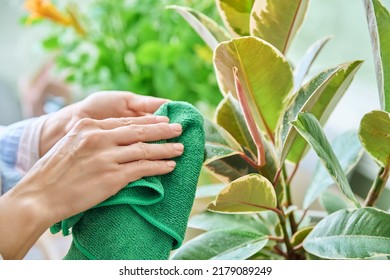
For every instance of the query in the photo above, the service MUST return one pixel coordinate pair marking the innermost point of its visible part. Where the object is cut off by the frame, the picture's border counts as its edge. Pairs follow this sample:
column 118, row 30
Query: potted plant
column 268, row 119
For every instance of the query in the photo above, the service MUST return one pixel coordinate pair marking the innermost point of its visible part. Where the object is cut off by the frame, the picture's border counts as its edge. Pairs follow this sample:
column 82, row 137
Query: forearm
column 22, row 220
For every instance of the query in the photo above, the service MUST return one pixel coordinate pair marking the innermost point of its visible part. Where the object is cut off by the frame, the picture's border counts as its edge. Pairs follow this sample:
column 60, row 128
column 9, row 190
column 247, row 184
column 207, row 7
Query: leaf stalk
column 378, row 186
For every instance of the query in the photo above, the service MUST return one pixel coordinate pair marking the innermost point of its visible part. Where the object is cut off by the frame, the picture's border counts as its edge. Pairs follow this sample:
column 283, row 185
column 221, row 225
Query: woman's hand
column 94, row 160
column 100, row 105
column 116, row 104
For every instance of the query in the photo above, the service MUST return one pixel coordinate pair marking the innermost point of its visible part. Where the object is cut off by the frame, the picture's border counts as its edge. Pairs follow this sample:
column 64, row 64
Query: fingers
column 145, row 104
column 113, row 123
column 120, row 122
column 145, row 133
column 140, row 151
column 134, row 171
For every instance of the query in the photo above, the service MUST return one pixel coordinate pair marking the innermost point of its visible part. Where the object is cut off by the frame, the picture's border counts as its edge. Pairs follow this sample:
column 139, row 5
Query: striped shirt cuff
column 29, row 145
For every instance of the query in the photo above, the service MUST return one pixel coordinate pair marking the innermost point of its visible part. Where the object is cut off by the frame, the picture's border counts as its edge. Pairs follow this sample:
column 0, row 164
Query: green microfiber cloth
column 148, row 218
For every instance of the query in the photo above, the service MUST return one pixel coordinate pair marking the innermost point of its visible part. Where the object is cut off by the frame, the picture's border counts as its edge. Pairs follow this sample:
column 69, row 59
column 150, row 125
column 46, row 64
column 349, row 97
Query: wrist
column 56, row 126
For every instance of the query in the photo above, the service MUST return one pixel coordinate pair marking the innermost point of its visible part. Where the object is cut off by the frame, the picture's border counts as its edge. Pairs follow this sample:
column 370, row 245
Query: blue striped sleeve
column 9, row 145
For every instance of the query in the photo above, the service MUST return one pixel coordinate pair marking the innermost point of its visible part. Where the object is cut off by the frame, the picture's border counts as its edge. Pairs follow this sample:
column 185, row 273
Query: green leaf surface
column 310, row 129
column 229, row 168
column 223, row 155
column 235, row 15
column 269, row 217
column 351, row 234
column 378, row 18
column 219, row 142
column 215, row 151
column 300, row 235
column 348, row 151
column 374, row 134
column 249, row 119
column 289, row 210
column 222, row 245
column 264, row 87
column 303, row 66
column 206, row 28
column 209, row 221
column 277, row 21
column 333, row 203
column 319, row 96
column 229, row 116
column 249, row 194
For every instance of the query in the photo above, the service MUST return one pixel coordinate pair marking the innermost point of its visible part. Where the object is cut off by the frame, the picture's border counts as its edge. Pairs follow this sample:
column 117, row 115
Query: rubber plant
column 269, row 117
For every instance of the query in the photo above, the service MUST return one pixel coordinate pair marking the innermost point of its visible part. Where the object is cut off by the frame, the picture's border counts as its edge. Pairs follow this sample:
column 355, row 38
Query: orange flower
column 46, row 9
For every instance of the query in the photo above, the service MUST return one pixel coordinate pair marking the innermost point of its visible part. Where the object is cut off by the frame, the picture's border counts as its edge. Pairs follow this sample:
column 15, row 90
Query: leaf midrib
column 262, row 238
column 251, row 92
column 350, row 236
column 291, row 27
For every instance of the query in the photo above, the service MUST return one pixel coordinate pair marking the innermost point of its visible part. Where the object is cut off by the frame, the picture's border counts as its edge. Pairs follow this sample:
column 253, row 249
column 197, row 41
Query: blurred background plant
column 131, row 45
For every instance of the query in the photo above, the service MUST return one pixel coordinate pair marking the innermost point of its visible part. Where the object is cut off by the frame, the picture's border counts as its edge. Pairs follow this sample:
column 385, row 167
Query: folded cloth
column 147, row 219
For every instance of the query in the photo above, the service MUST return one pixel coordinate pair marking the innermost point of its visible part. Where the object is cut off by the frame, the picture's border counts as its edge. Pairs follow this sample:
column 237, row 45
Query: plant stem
column 287, row 191
column 286, row 188
column 298, row 247
column 378, row 186
column 250, row 161
column 276, row 238
column 303, row 216
column 293, row 173
column 277, row 176
column 290, row 253
column 280, row 251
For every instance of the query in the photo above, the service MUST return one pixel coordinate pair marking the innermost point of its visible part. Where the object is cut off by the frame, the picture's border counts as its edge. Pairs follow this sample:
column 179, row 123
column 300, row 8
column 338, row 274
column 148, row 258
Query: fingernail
column 162, row 119
column 171, row 163
column 175, row 127
column 178, row 147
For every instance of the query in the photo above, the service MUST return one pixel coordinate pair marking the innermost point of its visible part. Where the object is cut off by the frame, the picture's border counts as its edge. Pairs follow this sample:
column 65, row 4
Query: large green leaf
column 348, row 151
column 209, row 221
column 249, row 194
column 235, row 14
column 332, row 202
column 249, row 119
column 374, row 133
column 230, row 167
column 219, row 142
column 224, row 157
column 229, row 116
column 303, row 66
column 309, row 127
column 351, row 234
column 265, row 75
column 206, row 28
column 222, row 245
column 319, row 96
column 378, row 18
column 277, row 21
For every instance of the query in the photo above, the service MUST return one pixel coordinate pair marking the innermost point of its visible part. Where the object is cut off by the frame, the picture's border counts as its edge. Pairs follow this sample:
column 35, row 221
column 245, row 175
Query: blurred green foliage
column 135, row 45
